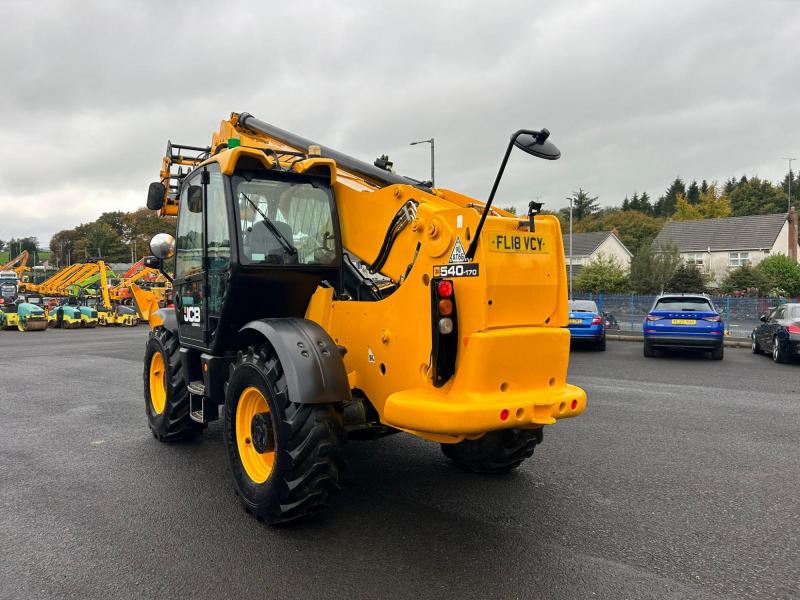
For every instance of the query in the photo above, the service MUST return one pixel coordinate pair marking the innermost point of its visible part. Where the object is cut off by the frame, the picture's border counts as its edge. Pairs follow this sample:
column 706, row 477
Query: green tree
column 645, row 205
column 665, row 206
column 633, row 227
column 602, row 274
column 583, row 205
column 782, row 274
column 511, row 209
column 693, row 193
column 688, row 278
column 757, row 197
column 653, row 267
column 745, row 279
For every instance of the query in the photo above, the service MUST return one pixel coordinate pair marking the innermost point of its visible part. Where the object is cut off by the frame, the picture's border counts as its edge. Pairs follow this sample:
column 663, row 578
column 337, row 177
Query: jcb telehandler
column 319, row 298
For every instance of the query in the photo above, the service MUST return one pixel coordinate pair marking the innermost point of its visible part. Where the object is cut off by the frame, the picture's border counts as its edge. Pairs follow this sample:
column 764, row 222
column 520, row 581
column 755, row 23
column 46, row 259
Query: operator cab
column 250, row 245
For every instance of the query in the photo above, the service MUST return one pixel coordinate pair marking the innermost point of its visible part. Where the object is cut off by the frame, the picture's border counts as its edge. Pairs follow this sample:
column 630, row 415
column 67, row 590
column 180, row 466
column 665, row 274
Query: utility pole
column 790, row 181
column 431, row 142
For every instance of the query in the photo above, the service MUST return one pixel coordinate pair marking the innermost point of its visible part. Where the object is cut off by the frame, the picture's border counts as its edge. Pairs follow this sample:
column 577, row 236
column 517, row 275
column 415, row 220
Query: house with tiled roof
column 588, row 246
column 719, row 245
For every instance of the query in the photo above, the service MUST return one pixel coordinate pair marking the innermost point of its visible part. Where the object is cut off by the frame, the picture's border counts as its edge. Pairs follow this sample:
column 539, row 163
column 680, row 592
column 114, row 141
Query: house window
column 694, row 258
column 738, row 259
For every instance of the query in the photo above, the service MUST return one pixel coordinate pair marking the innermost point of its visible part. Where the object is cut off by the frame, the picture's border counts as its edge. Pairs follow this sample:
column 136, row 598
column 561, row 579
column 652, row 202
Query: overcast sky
column 634, row 93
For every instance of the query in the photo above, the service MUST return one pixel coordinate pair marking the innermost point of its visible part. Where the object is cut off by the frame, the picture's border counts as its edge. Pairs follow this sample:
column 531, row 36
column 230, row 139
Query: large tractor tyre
column 496, row 452
column 286, row 458
column 779, row 354
column 166, row 398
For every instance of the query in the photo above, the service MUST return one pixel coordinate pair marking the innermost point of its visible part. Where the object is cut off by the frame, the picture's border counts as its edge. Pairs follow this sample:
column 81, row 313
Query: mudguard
column 312, row 364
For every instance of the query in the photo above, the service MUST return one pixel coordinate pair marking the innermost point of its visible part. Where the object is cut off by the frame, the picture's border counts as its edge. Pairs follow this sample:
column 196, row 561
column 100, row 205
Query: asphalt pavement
column 682, row 480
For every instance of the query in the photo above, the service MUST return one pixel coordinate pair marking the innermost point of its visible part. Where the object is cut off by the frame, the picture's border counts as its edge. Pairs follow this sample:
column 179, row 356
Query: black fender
column 311, row 361
column 170, row 318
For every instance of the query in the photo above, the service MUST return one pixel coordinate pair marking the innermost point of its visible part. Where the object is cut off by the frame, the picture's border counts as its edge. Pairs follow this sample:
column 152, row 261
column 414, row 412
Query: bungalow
column 588, row 246
column 719, row 245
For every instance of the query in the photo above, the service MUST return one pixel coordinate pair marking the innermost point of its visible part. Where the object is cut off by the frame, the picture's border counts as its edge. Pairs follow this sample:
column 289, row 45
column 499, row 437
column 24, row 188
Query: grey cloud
column 634, row 93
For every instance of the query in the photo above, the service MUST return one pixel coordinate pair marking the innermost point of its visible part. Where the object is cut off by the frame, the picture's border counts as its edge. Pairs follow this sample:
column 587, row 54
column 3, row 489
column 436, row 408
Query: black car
column 779, row 333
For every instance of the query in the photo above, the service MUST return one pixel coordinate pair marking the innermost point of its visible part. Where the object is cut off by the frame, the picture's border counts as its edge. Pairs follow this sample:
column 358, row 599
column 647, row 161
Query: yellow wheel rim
column 257, row 465
column 158, row 386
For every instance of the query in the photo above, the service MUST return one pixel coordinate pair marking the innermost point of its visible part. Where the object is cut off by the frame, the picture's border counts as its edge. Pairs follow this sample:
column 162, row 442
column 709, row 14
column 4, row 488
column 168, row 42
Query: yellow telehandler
column 319, row 298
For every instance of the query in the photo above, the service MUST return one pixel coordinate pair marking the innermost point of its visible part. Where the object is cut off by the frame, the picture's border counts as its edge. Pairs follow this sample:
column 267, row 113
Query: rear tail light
column 444, row 330
column 714, row 319
column 793, row 328
column 597, row 321
column 653, row 318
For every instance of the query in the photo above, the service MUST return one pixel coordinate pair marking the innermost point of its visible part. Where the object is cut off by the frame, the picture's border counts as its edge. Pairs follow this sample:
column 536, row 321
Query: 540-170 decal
column 456, row 270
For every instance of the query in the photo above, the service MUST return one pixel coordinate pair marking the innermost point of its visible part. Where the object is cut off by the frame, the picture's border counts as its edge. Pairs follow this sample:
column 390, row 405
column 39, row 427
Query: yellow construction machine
column 111, row 311
column 319, row 298
column 18, row 264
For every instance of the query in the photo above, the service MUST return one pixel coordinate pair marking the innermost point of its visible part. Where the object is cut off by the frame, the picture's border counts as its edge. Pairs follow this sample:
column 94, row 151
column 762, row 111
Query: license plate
column 684, row 321
column 575, row 321
column 523, row 243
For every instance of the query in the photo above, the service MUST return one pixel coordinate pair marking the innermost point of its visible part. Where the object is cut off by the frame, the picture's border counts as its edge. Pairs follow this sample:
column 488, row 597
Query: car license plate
column 524, row 243
column 684, row 321
column 575, row 321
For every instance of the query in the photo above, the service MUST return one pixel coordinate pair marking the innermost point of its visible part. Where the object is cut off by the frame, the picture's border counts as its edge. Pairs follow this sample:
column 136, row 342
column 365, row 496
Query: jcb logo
column 191, row 314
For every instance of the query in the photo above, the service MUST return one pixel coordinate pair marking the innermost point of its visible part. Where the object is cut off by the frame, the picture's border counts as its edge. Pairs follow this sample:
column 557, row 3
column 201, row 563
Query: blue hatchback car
column 586, row 324
column 684, row 321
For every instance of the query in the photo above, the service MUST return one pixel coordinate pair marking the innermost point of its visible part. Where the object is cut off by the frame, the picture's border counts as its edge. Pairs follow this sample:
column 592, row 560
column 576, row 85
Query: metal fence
column 741, row 315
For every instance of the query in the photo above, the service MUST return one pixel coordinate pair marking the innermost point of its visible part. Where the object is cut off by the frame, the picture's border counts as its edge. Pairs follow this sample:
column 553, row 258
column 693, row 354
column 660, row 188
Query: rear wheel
column 496, row 452
column 718, row 353
column 286, row 458
column 601, row 345
column 754, row 346
column 649, row 351
column 779, row 355
column 166, row 398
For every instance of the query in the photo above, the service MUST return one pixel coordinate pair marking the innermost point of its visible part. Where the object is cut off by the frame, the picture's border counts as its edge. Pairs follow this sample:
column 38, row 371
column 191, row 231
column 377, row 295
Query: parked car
column 686, row 321
column 586, row 323
column 779, row 333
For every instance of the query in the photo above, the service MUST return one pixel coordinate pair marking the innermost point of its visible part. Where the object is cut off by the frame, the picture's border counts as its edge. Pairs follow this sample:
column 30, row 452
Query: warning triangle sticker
column 458, row 255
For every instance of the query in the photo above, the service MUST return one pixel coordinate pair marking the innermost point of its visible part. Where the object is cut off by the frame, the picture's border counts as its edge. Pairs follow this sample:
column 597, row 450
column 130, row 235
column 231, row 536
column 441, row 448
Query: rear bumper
column 684, row 341
column 505, row 378
column 588, row 333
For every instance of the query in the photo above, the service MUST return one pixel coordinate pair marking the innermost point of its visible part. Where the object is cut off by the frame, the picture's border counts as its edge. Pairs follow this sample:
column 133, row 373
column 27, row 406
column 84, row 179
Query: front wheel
column 496, row 452
column 286, row 458
column 166, row 397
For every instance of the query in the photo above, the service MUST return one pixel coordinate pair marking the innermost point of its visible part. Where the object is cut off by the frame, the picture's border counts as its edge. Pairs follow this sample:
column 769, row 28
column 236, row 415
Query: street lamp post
column 430, row 141
column 790, row 180
column 570, row 247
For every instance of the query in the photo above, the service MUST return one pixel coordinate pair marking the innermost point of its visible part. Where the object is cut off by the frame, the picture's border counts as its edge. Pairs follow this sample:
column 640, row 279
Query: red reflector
column 597, row 321
column 444, row 288
column 504, row 414
column 445, row 307
column 793, row 328
column 574, row 404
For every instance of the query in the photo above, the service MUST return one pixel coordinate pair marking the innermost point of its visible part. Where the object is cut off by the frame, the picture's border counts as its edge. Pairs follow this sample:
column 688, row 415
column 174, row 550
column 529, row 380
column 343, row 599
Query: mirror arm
column 473, row 246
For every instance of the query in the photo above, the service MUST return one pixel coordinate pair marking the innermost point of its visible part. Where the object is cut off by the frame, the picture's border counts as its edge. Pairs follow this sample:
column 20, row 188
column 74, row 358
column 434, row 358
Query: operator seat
column 260, row 240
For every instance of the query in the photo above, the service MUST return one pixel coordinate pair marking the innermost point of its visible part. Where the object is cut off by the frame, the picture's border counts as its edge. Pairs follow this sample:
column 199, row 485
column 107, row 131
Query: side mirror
column 153, row 262
column 194, row 199
column 155, row 195
column 162, row 246
column 535, row 143
column 763, row 318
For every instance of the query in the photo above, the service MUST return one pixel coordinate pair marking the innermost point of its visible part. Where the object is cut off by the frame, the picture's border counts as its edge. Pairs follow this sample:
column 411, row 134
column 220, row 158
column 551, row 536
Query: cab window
column 285, row 222
column 189, row 239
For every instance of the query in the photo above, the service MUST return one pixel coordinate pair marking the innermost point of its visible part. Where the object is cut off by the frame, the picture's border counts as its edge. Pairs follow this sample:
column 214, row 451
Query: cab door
column 190, row 278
